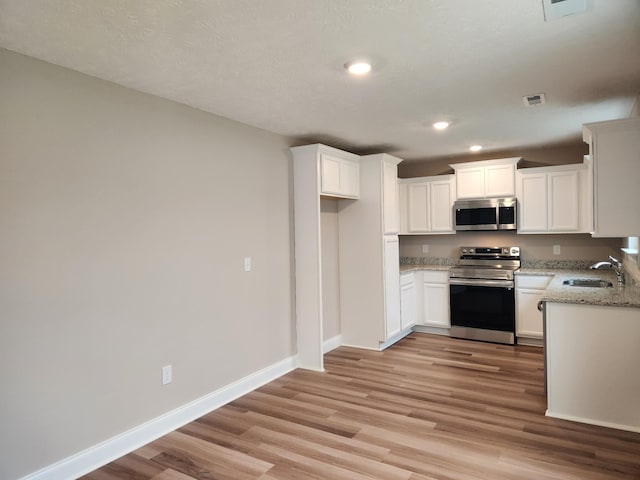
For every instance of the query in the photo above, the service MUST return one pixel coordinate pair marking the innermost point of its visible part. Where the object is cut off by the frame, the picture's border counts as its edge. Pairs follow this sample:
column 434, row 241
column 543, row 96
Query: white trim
column 396, row 338
column 331, row 344
column 617, row 426
column 102, row 453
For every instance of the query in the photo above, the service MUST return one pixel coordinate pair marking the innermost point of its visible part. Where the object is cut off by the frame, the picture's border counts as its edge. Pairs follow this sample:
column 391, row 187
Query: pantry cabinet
column 553, row 199
column 529, row 291
column 613, row 149
column 369, row 258
column 427, row 204
column 487, row 178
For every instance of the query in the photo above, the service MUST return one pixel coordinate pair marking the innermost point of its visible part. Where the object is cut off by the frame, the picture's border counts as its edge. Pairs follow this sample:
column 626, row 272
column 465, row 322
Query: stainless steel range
column 482, row 294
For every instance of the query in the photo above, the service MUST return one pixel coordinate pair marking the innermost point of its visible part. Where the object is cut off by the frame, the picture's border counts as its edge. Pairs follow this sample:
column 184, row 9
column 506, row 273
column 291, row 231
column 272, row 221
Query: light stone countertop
column 625, row 296
column 411, row 268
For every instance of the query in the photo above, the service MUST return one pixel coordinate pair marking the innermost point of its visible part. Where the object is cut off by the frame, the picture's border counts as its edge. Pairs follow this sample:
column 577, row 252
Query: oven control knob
column 464, row 250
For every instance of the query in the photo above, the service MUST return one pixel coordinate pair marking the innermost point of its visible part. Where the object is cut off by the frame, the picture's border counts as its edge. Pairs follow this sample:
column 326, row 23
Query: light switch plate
column 425, row 248
column 557, row 250
column 167, row 374
column 247, row 264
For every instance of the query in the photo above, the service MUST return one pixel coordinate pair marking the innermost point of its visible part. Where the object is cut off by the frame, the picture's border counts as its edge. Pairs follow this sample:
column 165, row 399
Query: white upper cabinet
column 553, row 199
column 340, row 175
column 486, row 179
column 426, row 204
column 613, row 148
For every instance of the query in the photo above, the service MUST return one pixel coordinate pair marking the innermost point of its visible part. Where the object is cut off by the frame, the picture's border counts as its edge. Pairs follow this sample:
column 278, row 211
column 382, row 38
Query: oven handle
column 478, row 282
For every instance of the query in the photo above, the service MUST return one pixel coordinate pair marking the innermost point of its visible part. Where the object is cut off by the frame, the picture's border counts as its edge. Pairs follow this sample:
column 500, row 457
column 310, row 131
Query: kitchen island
column 592, row 350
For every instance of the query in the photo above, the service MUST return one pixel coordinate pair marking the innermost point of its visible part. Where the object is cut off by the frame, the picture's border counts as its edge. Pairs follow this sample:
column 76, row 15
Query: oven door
column 487, row 306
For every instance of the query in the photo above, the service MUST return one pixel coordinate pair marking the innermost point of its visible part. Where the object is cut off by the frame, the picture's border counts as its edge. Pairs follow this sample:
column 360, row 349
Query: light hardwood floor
column 429, row 407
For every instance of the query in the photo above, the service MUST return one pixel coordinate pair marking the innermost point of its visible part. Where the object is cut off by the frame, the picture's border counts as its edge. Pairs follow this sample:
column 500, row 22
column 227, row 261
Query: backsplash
column 558, row 264
column 573, row 248
column 445, row 262
column 535, row 264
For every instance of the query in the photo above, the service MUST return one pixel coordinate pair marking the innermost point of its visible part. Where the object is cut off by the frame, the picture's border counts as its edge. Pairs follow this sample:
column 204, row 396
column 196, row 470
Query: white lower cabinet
column 435, row 299
column 529, row 291
column 407, row 300
column 424, row 300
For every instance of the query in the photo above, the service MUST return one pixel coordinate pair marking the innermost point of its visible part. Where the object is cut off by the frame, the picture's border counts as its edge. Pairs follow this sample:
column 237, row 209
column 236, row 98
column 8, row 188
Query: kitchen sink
column 588, row 282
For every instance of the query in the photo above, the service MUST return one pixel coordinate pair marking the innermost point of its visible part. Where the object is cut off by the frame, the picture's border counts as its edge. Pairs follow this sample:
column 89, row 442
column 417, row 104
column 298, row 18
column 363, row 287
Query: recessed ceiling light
column 475, row 148
column 358, row 67
column 441, row 125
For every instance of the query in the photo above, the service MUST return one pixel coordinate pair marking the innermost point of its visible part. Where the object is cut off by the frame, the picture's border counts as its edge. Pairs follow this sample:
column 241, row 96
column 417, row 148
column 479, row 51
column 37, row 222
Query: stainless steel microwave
column 486, row 214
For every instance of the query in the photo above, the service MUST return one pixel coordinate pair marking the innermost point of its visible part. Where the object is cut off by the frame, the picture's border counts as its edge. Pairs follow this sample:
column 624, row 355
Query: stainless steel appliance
column 486, row 214
column 482, row 294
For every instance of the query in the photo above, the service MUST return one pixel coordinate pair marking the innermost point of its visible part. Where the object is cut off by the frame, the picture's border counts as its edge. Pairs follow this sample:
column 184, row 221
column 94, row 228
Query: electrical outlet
column 557, row 250
column 247, row 264
column 167, row 374
column 425, row 248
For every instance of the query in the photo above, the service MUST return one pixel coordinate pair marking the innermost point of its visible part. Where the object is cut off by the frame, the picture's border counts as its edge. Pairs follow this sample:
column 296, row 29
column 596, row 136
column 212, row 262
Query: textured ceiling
column 278, row 64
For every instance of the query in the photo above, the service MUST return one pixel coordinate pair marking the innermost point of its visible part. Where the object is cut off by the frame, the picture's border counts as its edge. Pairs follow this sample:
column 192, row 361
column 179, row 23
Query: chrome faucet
column 616, row 265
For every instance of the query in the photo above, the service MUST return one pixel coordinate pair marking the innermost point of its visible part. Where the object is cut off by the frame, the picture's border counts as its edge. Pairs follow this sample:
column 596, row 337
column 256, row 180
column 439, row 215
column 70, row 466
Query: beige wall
column 532, row 158
column 124, row 220
column 533, row 247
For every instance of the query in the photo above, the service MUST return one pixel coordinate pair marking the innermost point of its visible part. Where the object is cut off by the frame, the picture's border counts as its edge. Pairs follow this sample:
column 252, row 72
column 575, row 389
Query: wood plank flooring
column 428, row 408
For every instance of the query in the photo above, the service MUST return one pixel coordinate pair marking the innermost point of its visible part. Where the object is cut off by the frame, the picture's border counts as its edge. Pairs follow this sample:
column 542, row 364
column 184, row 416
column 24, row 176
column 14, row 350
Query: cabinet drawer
column 535, row 282
column 432, row 276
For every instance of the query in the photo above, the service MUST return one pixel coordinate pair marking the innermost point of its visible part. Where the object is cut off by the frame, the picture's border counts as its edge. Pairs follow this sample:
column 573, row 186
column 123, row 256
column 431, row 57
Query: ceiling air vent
column 554, row 9
column 533, row 100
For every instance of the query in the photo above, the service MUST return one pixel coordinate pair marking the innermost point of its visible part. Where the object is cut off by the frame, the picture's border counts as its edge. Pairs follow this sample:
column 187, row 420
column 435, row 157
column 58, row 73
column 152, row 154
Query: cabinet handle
column 541, row 306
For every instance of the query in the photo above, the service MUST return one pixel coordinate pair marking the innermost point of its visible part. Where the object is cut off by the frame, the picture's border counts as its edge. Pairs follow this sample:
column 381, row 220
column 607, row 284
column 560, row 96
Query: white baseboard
column 617, row 426
column 98, row 455
column 396, row 338
column 331, row 344
column 530, row 341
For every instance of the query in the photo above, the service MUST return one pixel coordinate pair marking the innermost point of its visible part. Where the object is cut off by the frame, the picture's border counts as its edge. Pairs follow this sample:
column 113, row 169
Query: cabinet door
column 330, row 174
column 499, row 181
column 441, row 207
column 470, row 182
column 390, row 203
column 614, row 148
column 339, row 177
column 417, row 207
column 349, row 179
column 391, row 286
column 436, row 304
column 528, row 318
column 407, row 301
column 533, row 202
column 563, row 201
